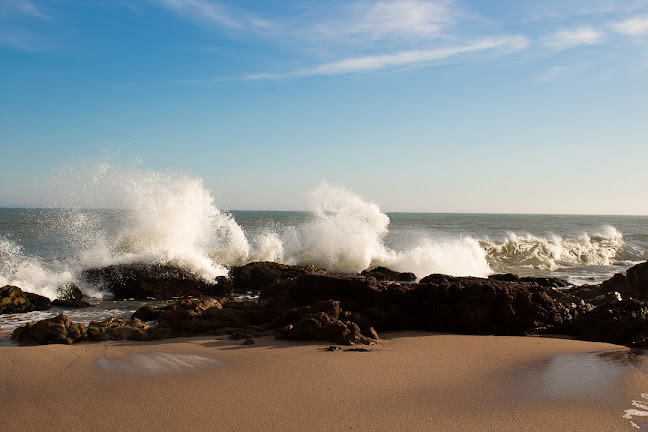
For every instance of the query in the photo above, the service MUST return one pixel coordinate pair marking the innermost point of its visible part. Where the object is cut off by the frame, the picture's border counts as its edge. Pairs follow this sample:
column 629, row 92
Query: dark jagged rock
column 438, row 302
column 632, row 285
column 256, row 276
column 353, row 292
column 319, row 322
column 545, row 282
column 147, row 313
column 68, row 291
column 76, row 304
column 15, row 300
column 624, row 323
column 57, row 330
column 69, row 295
column 385, row 274
column 209, row 316
column 161, row 281
column 476, row 305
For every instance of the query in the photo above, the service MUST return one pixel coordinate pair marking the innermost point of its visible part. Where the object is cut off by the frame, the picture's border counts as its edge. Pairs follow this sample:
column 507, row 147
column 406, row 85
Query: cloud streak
column 394, row 19
column 366, row 64
column 564, row 39
column 636, row 26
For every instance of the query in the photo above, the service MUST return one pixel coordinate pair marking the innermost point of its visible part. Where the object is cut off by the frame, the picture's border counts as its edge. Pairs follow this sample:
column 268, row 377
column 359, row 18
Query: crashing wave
column 551, row 254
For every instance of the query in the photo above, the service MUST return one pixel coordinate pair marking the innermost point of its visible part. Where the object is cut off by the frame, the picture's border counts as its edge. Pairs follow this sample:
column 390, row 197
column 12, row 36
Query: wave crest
column 555, row 252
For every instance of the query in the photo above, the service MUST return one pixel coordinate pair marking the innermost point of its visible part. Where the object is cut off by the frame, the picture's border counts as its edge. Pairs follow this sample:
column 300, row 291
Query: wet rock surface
column 57, row 330
column 297, row 304
column 15, row 300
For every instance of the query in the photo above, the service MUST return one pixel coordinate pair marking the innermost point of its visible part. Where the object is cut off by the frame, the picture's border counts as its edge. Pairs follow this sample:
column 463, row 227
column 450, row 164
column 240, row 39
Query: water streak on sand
column 156, row 363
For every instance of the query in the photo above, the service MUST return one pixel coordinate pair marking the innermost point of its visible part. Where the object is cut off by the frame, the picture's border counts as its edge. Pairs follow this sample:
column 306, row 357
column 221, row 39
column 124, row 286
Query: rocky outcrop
column 15, row 300
column 348, row 309
column 438, row 303
column 57, row 330
column 145, row 281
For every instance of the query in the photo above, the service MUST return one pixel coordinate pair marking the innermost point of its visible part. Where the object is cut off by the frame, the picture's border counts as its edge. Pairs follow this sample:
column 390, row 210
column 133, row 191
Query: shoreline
column 408, row 381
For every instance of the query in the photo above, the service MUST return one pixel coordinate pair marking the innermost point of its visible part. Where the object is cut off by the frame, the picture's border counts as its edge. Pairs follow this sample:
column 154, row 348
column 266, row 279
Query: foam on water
column 28, row 273
column 346, row 235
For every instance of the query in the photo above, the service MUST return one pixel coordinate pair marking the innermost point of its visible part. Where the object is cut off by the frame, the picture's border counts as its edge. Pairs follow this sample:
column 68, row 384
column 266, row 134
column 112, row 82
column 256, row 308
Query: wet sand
column 408, row 381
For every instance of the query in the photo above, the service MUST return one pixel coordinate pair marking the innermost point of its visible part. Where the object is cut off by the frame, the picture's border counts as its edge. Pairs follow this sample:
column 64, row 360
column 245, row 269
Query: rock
column 637, row 277
column 319, row 322
column 353, row 292
column 256, row 276
column 57, row 330
column 624, row 322
column 545, row 282
column 634, row 284
column 476, row 305
column 371, row 333
column 76, row 303
column 143, row 281
column 15, row 300
column 147, row 313
column 68, row 291
column 385, row 274
column 118, row 329
column 249, row 342
column 208, row 316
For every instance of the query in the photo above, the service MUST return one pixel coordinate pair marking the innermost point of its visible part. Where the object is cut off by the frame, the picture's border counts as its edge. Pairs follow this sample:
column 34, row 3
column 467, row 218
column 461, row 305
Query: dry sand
column 407, row 382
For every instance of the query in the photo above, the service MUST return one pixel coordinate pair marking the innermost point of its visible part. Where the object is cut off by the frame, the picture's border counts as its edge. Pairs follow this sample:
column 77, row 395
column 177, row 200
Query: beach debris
column 337, row 348
column 332, row 348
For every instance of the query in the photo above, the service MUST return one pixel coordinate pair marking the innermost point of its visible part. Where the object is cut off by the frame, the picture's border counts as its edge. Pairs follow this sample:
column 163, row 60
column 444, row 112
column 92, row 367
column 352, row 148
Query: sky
column 429, row 106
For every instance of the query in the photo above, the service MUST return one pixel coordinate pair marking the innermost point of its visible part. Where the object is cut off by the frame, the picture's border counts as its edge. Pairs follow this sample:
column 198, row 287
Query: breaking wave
column 143, row 216
column 600, row 249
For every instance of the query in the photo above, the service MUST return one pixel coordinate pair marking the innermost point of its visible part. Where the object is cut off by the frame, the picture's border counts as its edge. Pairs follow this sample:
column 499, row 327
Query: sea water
column 117, row 216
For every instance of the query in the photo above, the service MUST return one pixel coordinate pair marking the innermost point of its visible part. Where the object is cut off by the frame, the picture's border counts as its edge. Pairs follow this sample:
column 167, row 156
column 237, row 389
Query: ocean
column 176, row 221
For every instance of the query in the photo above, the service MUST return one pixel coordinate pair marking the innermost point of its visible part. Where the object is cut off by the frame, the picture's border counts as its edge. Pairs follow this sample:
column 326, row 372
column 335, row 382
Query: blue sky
column 440, row 106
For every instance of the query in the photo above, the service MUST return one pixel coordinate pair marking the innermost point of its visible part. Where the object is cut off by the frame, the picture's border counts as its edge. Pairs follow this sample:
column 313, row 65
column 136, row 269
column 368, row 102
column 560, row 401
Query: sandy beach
column 408, row 381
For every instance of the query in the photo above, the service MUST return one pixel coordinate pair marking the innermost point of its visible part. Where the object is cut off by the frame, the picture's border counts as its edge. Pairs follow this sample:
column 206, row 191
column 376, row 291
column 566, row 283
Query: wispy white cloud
column 388, row 19
column 374, row 63
column 584, row 35
column 212, row 14
column 636, row 26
